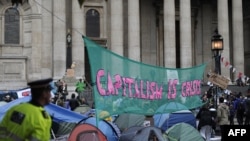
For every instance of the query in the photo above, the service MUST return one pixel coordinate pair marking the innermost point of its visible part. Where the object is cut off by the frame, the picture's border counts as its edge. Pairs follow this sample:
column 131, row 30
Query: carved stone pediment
column 100, row 41
column 93, row 1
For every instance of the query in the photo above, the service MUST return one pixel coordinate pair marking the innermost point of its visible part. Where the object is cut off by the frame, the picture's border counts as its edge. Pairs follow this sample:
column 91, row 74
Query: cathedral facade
column 42, row 38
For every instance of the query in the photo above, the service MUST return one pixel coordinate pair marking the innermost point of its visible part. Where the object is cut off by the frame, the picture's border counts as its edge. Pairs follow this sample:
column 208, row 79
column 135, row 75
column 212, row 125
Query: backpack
column 248, row 107
column 241, row 107
column 206, row 119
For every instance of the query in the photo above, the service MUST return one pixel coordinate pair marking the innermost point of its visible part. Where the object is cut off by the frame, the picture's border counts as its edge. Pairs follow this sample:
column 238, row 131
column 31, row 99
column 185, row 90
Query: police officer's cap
column 40, row 84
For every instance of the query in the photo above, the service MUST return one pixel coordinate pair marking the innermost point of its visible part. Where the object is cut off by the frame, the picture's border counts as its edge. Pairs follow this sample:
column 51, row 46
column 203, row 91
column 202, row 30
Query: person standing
column 240, row 111
column 232, row 114
column 29, row 121
column 247, row 106
column 80, row 86
column 206, row 122
column 73, row 103
column 222, row 116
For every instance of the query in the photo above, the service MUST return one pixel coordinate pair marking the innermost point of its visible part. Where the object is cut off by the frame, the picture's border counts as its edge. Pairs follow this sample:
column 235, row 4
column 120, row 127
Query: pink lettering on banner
column 111, row 89
column 129, row 81
column 118, row 83
column 172, row 88
column 143, row 96
column 198, row 86
column 191, row 88
column 153, row 91
column 158, row 92
column 100, row 74
column 137, row 91
column 141, row 89
column 147, row 90
column 124, row 87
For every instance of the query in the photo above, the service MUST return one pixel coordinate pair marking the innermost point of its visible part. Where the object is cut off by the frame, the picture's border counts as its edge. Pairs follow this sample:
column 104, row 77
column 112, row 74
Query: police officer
column 29, row 121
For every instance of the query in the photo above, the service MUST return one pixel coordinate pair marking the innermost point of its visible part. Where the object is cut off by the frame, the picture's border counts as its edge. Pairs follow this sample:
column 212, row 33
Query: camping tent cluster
column 73, row 126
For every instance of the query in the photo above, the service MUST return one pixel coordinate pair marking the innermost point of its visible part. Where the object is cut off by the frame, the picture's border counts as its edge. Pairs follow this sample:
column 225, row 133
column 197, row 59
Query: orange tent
column 86, row 132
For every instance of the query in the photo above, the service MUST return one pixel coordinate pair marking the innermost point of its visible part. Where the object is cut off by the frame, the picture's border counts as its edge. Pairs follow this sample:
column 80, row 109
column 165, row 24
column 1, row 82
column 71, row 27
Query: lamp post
column 69, row 51
column 217, row 48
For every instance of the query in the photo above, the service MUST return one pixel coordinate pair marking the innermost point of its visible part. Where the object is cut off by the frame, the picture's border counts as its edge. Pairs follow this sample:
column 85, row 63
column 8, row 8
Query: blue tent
column 167, row 120
column 107, row 128
column 59, row 114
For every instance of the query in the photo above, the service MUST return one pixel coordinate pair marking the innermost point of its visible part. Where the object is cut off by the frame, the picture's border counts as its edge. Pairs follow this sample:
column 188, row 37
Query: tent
column 166, row 120
column 140, row 133
column 183, row 132
column 109, row 129
column 58, row 113
column 170, row 107
column 82, row 109
column 86, row 132
column 124, row 121
column 2, row 103
column 62, row 128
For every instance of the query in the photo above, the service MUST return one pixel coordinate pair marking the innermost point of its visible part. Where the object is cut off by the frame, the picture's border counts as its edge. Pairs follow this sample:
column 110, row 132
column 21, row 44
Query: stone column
column 169, row 34
column 238, row 46
column 36, row 43
column 59, row 39
column 116, row 18
column 77, row 41
column 185, row 34
column 134, row 49
column 223, row 28
column 47, row 51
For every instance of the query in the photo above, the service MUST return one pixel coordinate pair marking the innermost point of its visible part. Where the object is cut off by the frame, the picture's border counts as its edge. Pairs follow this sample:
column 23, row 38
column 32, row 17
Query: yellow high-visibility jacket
column 25, row 122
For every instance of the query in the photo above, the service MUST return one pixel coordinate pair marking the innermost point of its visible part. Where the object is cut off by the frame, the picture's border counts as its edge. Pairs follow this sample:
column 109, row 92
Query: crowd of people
column 233, row 109
column 61, row 99
column 8, row 98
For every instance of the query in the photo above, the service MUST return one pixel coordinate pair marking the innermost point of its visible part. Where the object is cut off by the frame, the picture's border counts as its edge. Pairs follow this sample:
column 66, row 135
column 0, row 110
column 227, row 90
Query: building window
column 11, row 26
column 92, row 23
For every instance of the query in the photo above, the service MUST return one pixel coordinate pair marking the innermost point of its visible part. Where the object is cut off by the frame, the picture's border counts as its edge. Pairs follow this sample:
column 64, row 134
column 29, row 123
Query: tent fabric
column 167, row 120
column 3, row 103
column 86, row 132
column 171, row 107
column 183, row 132
column 58, row 113
column 140, row 133
column 82, row 109
column 63, row 128
column 124, row 121
column 107, row 128
column 61, row 138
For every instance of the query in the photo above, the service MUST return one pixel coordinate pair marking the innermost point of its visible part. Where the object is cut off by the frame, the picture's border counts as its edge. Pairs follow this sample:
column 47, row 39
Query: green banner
column 122, row 85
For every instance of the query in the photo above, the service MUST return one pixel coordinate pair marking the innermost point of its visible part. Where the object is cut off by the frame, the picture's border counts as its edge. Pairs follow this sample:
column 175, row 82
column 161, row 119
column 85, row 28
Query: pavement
column 215, row 138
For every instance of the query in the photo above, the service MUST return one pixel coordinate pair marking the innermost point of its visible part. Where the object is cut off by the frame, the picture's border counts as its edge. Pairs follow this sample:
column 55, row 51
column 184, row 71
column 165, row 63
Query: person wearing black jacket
column 73, row 102
column 206, row 122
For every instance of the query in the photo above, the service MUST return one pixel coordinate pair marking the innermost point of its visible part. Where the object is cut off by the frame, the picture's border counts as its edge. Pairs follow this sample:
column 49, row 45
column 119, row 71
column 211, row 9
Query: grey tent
column 124, row 121
column 183, row 132
column 82, row 109
column 140, row 133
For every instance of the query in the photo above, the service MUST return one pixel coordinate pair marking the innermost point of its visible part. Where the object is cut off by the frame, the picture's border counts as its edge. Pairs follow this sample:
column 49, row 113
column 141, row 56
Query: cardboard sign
column 70, row 72
column 218, row 80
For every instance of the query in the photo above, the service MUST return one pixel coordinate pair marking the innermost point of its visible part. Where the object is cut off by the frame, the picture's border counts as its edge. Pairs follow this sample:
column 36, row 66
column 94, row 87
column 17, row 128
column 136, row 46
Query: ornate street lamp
column 217, row 48
column 69, row 38
column 69, row 50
